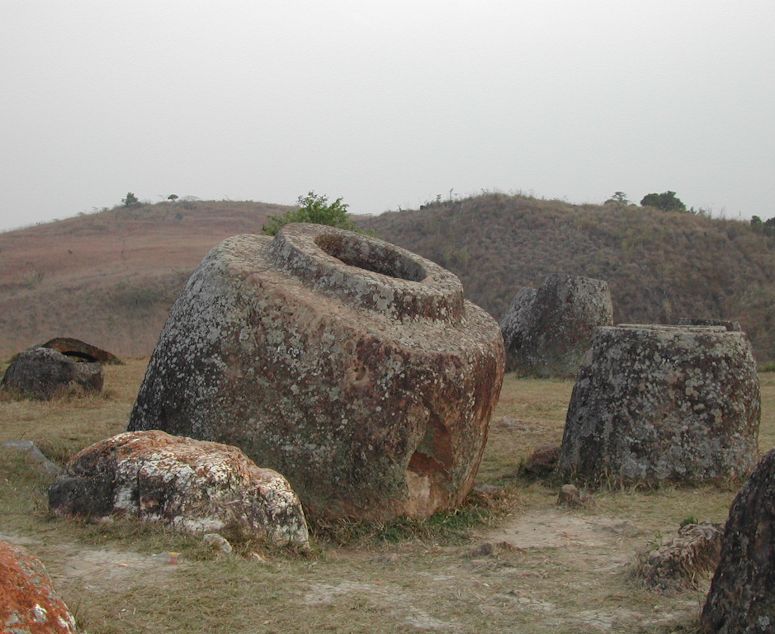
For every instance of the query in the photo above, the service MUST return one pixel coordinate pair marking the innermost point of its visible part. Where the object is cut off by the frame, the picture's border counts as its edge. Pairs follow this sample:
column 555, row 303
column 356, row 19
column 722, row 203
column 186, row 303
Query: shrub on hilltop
column 315, row 209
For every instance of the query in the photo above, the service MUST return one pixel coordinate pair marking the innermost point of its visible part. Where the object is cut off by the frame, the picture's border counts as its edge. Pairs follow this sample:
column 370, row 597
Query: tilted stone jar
column 351, row 366
column 547, row 330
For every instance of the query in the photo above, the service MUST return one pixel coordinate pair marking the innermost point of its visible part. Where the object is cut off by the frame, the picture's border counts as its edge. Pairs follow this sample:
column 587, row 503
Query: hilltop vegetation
column 660, row 265
column 110, row 278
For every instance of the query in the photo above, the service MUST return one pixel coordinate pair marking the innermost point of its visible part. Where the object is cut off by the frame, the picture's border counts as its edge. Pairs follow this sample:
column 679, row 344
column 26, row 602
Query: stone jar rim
column 367, row 272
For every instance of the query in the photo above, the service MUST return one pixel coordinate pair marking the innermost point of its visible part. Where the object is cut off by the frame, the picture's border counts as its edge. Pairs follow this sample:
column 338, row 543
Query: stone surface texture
column 43, row 373
column 352, row 366
column 683, row 560
column 547, row 330
column 28, row 602
column 80, row 349
column 729, row 324
column 542, row 462
column 741, row 597
column 663, row 403
column 194, row 486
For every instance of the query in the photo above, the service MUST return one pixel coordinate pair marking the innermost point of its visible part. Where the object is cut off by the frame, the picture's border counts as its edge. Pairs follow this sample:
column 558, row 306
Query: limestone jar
column 353, row 367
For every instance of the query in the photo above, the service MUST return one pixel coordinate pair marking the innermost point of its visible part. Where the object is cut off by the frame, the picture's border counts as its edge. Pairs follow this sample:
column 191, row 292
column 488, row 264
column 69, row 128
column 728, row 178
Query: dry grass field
column 546, row 569
column 110, row 277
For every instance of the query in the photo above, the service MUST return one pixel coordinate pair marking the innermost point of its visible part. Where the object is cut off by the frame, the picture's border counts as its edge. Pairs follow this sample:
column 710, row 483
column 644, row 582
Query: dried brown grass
column 421, row 576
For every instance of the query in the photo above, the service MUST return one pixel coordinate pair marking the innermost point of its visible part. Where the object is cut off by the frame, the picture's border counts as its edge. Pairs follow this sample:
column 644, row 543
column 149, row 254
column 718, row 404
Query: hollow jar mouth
column 377, row 258
column 367, row 272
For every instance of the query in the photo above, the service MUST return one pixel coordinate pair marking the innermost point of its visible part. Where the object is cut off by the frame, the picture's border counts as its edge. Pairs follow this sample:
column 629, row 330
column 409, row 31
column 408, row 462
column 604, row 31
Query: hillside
column 660, row 266
column 110, row 278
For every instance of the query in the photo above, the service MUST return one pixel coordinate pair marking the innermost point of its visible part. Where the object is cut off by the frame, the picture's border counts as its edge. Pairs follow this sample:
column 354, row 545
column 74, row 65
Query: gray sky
column 385, row 103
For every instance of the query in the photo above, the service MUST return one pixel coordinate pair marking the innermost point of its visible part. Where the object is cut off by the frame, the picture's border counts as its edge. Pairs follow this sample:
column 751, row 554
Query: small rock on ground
column 570, row 496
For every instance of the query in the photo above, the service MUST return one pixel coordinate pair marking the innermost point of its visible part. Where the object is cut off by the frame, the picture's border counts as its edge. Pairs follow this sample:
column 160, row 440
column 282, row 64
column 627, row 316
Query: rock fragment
column 81, row 350
column 218, row 542
column 741, row 598
column 42, row 373
column 191, row 485
column 542, row 462
column 28, row 601
column 572, row 497
column 682, row 560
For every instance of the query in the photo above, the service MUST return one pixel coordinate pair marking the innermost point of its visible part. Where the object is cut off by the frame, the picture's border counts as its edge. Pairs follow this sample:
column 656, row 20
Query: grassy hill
column 110, row 278
column 660, row 266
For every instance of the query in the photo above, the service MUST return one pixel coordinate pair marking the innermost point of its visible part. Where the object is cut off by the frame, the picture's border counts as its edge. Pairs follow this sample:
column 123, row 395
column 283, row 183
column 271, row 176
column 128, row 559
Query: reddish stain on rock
column 28, row 602
column 352, row 366
column 195, row 486
column 81, row 350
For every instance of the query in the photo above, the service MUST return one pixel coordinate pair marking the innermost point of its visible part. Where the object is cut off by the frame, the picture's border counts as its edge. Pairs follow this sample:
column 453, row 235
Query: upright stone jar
column 351, row 366
column 663, row 403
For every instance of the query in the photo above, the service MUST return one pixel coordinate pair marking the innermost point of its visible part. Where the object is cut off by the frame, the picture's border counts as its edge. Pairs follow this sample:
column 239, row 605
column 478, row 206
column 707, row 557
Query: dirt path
column 97, row 569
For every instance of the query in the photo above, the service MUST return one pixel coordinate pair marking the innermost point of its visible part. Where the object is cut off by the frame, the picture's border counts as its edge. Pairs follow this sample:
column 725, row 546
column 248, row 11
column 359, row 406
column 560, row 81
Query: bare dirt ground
column 531, row 567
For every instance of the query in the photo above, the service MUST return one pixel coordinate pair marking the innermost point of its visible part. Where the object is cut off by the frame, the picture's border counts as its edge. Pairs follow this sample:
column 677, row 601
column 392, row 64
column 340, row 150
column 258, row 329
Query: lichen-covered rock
column 43, row 373
column 28, row 602
column 741, row 598
column 352, row 366
column 657, row 403
column 681, row 561
column 547, row 330
column 192, row 485
column 729, row 324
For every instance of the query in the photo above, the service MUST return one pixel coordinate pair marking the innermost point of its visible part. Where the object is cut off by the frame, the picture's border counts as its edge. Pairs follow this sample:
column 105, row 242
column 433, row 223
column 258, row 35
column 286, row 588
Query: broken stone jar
column 353, row 367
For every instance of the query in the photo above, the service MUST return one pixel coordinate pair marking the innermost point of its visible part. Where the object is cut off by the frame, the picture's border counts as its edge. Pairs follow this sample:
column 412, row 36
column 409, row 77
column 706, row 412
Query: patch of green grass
column 452, row 526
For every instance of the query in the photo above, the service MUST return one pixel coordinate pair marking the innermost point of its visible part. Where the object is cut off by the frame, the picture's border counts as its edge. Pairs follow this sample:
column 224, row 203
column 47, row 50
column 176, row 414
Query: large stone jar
column 663, row 403
column 351, row 366
column 741, row 597
column 548, row 330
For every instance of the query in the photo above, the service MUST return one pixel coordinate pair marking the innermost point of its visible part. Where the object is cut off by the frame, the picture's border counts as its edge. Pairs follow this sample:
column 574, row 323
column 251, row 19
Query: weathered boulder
column 725, row 323
column 542, row 462
column 656, row 403
column 42, row 373
column 80, row 349
column 571, row 497
column 28, row 602
column 547, row 330
column 741, row 597
column 192, row 485
column 352, row 366
column 681, row 561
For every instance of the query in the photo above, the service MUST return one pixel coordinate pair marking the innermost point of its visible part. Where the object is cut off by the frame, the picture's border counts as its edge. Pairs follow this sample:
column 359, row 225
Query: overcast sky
column 386, row 104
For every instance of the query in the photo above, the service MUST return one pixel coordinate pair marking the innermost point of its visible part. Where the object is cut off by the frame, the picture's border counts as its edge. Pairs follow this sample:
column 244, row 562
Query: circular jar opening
column 372, row 257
